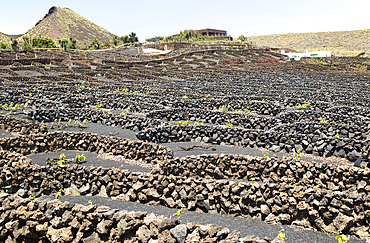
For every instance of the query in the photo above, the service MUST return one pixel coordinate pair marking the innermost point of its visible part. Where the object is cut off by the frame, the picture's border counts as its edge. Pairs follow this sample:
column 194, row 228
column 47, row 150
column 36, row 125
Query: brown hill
column 340, row 43
column 14, row 36
column 4, row 38
column 63, row 23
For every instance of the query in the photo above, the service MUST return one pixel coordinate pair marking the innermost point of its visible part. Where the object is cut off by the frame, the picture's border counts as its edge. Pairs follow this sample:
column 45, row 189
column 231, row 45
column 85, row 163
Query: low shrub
column 27, row 48
column 312, row 61
column 3, row 45
column 360, row 66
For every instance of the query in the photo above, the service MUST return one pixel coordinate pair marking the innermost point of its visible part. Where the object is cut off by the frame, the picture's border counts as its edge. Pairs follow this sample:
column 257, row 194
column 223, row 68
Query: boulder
column 143, row 234
column 179, row 233
column 342, row 222
column 59, row 235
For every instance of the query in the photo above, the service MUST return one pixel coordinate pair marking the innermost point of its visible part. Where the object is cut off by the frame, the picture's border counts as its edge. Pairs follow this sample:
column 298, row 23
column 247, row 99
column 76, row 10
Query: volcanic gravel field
column 245, row 151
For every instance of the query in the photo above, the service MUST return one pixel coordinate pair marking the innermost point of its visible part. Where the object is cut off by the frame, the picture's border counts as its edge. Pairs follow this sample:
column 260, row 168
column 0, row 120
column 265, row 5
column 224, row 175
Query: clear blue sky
column 149, row 18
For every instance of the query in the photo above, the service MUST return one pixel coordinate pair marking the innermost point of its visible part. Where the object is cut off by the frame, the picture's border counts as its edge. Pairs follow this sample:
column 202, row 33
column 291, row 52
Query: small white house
column 298, row 56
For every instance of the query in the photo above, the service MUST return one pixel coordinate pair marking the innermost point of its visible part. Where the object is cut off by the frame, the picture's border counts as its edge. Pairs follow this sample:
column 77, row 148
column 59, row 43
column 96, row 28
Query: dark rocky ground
column 187, row 100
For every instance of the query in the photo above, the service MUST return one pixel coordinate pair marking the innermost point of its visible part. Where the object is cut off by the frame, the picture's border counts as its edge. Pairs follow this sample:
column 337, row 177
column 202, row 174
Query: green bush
column 224, row 108
column 360, row 66
column 80, row 158
column 188, row 35
column 3, row 45
column 115, row 40
column 229, row 124
column 106, row 43
column 39, row 42
column 73, row 45
column 26, row 48
column 155, row 39
column 96, row 43
column 304, row 106
column 14, row 44
column 63, row 43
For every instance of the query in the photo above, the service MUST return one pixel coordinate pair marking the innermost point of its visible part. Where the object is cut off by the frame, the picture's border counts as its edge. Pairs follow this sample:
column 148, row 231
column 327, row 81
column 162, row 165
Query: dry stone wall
column 96, row 116
column 13, row 124
column 290, row 122
column 24, row 219
column 216, row 117
column 268, row 170
column 334, row 205
column 7, row 62
column 56, row 141
column 316, row 144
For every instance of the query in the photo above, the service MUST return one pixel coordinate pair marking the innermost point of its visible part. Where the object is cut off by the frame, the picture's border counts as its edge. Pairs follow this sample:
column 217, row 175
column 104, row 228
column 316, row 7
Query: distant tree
column 242, row 38
column 133, row 38
column 155, row 39
column 96, row 43
column 188, row 35
column 14, row 44
column 39, row 42
column 106, row 43
column 73, row 43
column 27, row 48
column 26, row 44
column 26, row 40
column 63, row 43
column 36, row 42
column 169, row 38
column 115, row 40
column 124, row 39
column 47, row 42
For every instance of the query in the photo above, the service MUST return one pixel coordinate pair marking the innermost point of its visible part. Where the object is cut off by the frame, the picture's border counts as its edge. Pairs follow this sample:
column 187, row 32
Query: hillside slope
column 341, row 43
column 63, row 23
column 4, row 38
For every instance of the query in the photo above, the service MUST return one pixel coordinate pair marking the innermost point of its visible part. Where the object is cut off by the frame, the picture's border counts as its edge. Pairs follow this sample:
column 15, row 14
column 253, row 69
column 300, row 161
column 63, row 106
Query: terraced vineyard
column 183, row 148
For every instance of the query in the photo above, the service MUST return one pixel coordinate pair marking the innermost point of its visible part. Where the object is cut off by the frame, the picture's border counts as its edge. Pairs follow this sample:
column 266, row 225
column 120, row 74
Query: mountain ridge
column 341, row 43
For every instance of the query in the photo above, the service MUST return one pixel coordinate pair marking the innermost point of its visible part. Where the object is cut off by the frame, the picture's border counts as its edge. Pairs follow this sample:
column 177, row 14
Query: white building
column 298, row 56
